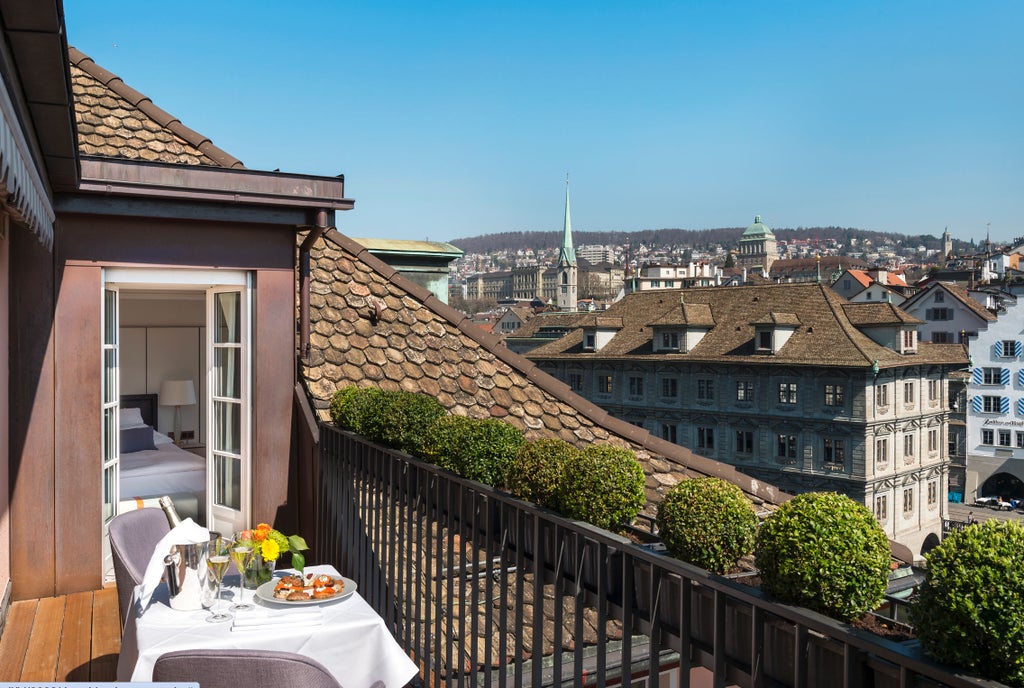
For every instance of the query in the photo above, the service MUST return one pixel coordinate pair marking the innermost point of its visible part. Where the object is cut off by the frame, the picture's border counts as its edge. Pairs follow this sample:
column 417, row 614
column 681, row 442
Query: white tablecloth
column 352, row 642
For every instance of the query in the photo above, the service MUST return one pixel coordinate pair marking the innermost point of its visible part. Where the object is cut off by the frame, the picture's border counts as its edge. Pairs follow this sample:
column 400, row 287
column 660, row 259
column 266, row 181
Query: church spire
column 567, row 254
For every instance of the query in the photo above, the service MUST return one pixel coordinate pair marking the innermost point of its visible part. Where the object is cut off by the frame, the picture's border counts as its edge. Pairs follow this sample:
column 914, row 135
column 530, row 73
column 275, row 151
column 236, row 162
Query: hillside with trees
column 694, row 238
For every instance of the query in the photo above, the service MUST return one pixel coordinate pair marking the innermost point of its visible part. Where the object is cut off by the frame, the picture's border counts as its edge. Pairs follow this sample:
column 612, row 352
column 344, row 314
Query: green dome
column 758, row 230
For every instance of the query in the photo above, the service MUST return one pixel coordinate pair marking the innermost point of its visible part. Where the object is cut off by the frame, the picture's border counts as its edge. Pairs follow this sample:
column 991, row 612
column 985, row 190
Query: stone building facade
column 789, row 383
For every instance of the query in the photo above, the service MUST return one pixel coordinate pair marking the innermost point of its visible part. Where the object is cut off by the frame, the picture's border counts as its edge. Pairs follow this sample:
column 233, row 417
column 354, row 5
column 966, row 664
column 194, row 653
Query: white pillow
column 131, row 418
column 160, row 438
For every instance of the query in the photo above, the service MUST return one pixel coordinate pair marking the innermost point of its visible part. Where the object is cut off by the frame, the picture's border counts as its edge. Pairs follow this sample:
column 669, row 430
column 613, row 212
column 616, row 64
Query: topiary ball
column 970, row 609
column 478, row 449
column 708, row 522
column 538, row 469
column 826, row 552
column 603, row 485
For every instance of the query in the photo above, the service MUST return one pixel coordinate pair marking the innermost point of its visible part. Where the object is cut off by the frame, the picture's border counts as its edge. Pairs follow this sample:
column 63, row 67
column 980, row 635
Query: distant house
column 872, row 285
column 950, row 312
column 822, row 269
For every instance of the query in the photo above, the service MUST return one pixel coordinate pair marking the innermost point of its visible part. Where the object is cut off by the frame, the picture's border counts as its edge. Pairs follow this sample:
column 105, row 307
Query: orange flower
column 261, row 533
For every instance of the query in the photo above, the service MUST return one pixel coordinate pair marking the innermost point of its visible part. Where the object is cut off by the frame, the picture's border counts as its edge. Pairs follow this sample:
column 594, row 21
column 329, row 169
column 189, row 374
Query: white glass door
column 228, row 464
column 111, row 402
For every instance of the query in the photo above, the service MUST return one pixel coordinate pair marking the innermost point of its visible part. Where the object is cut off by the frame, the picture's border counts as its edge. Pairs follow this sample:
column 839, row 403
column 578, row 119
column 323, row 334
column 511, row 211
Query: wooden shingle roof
column 116, row 121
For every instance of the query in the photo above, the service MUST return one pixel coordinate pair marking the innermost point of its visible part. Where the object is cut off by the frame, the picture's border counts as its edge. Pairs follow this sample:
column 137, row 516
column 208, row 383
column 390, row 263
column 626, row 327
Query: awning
column 22, row 192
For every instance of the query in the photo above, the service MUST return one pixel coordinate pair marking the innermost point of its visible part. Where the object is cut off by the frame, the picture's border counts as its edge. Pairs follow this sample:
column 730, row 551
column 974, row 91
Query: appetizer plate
column 266, row 593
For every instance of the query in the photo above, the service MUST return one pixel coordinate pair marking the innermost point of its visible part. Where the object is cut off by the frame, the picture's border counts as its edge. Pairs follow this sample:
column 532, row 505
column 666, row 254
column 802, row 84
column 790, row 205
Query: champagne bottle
column 172, row 514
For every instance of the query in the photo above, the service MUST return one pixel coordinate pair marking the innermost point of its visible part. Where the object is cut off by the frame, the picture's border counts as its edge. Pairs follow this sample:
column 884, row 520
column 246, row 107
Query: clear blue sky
column 452, row 119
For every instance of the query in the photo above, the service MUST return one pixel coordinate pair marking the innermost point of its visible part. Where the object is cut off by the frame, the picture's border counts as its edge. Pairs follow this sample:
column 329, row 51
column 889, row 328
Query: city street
column 958, row 512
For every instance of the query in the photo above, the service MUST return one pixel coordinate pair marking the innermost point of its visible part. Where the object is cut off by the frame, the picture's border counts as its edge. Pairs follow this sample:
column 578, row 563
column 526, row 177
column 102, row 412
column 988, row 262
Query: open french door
column 111, row 421
column 228, row 468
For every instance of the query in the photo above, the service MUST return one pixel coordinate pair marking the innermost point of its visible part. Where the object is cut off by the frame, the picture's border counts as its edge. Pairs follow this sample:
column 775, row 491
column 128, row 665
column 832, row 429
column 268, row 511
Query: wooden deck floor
column 72, row 638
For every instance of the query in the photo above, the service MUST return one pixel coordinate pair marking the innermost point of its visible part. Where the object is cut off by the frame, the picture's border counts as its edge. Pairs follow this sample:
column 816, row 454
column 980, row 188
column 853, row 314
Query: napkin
column 275, row 619
column 188, row 532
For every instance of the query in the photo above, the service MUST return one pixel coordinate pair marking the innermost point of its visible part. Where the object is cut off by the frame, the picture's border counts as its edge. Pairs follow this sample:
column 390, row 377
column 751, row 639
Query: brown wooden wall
column 5, row 522
column 56, row 420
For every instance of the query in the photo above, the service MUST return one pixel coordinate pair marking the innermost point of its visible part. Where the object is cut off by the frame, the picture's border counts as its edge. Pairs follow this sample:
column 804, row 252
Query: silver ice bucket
column 186, row 574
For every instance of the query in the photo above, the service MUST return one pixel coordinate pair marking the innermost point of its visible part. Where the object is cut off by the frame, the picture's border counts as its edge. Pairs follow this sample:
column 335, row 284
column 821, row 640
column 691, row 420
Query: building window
column 670, row 284
column 604, row 384
column 1007, row 348
column 835, row 453
column 908, row 446
column 655, row 284
column 705, row 438
column 882, row 395
column 636, row 386
column 787, row 447
column 942, row 337
column 938, row 314
column 908, row 500
column 909, row 343
column 669, row 387
column 670, row 340
column 940, row 297
column 668, row 432
column 588, row 340
column 744, row 391
column 764, row 341
column 846, row 284
column 991, row 376
column 988, row 436
column 882, row 507
column 1004, row 438
column 933, row 390
column 744, row 442
column 705, row 390
column 1020, row 440
column 881, row 451
column 990, row 404
column 576, row 382
column 787, row 392
column 933, row 493
column 933, row 440
column 834, row 395
column 908, row 393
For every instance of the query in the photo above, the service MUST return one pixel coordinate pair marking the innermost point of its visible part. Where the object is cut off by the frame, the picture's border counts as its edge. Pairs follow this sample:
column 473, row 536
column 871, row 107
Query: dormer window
column 764, row 340
column 909, row 342
column 588, row 341
column 670, row 341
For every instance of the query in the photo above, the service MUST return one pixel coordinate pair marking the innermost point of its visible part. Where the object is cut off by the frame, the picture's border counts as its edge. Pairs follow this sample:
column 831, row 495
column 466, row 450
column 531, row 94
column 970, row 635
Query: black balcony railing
column 484, row 589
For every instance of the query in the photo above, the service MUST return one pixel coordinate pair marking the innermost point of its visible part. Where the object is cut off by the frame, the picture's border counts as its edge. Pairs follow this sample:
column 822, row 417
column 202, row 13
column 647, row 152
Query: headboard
column 146, row 403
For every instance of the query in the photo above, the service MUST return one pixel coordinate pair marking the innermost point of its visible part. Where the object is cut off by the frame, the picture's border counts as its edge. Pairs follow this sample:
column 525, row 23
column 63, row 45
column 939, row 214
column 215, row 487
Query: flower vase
column 259, row 571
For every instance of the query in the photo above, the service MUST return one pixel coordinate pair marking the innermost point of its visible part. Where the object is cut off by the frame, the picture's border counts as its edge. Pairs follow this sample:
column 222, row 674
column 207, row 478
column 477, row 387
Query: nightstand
column 195, row 448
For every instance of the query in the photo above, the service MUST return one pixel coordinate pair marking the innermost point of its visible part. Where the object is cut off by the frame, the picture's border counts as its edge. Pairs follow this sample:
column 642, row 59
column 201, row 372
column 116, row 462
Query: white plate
column 266, row 593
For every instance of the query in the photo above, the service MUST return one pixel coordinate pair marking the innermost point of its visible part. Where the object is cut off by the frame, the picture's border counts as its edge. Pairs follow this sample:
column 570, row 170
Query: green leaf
column 296, row 543
column 298, row 560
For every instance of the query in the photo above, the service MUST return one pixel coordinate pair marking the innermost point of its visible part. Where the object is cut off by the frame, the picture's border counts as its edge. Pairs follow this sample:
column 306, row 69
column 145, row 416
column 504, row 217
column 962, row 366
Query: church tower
column 567, row 269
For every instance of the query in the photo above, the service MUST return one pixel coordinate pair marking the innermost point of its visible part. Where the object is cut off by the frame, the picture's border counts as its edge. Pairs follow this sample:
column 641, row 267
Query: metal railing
column 484, row 589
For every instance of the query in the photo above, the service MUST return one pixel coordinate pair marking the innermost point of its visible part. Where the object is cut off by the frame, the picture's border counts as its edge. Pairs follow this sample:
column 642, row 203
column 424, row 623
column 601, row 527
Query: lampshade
column 177, row 393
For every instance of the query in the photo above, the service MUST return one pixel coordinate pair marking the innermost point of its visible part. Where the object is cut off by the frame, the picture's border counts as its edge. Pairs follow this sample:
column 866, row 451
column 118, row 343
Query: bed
column 153, row 466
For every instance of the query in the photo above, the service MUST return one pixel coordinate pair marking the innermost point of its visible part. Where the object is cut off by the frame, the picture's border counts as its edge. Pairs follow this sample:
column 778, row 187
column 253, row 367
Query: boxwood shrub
column 708, row 522
column 537, row 471
column 969, row 611
column 602, row 485
column 826, row 552
column 477, row 449
column 395, row 418
column 349, row 406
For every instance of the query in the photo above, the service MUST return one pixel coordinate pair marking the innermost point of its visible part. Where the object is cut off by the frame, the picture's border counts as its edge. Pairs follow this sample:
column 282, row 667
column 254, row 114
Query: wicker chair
column 253, row 668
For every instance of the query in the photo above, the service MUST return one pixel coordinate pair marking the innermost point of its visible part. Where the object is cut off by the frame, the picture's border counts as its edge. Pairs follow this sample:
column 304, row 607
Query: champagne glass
column 217, row 559
column 242, row 553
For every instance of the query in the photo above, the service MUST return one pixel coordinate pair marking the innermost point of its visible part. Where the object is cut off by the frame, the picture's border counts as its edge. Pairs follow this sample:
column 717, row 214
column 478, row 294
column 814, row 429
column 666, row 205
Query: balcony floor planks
column 70, row 638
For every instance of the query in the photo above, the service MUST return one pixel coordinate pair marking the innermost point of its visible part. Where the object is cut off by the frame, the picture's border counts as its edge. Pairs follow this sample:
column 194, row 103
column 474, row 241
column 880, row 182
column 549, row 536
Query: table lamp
column 177, row 393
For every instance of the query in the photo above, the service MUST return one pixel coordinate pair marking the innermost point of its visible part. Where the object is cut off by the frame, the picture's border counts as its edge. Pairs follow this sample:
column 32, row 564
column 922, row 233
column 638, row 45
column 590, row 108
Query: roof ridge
column 146, row 105
column 844, row 321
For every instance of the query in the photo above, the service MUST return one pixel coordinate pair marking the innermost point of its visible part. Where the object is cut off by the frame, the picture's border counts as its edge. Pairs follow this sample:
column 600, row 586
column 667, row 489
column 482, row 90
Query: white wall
column 163, row 338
